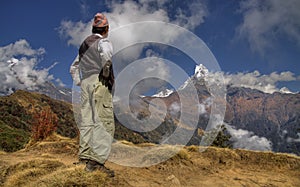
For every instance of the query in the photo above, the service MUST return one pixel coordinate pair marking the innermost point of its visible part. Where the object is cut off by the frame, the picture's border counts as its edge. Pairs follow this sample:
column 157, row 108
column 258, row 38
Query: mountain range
column 254, row 119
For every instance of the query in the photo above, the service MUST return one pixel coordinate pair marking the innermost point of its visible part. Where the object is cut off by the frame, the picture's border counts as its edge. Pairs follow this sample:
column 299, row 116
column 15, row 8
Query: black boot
column 92, row 165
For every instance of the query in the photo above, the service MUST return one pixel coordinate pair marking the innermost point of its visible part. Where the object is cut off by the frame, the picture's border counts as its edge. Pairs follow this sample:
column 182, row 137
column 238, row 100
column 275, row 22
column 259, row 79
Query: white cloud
column 18, row 67
column 254, row 80
column 289, row 139
column 204, row 105
column 152, row 73
column 201, row 109
column 174, row 109
column 129, row 12
column 74, row 32
column 20, row 47
column 264, row 21
column 59, row 82
column 193, row 16
column 244, row 139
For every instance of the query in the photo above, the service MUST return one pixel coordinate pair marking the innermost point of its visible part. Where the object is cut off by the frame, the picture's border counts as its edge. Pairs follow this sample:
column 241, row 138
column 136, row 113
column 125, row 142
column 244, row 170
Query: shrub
column 44, row 124
column 218, row 137
column 223, row 138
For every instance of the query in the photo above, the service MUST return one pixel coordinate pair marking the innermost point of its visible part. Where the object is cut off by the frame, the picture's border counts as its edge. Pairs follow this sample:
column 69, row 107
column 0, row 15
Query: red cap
column 100, row 20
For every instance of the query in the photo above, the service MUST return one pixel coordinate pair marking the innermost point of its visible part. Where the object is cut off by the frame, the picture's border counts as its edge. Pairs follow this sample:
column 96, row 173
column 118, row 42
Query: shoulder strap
column 87, row 43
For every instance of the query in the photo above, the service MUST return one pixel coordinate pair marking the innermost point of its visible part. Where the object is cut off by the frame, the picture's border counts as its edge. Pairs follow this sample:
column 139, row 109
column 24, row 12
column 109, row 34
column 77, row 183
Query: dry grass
column 48, row 173
column 23, row 172
column 54, row 144
column 75, row 176
column 50, row 163
column 184, row 154
column 125, row 142
column 2, row 152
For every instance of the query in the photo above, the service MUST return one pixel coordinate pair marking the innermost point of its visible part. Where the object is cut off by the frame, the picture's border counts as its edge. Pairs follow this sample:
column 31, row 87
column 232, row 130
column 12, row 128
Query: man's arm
column 74, row 70
column 105, row 48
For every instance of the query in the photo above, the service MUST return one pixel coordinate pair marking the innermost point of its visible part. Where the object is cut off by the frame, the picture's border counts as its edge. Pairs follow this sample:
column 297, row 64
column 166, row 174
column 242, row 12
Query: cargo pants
column 97, row 120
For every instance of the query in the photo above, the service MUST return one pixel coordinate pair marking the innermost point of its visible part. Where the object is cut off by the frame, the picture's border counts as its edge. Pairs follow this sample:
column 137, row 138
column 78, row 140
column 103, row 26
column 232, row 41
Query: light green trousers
column 97, row 120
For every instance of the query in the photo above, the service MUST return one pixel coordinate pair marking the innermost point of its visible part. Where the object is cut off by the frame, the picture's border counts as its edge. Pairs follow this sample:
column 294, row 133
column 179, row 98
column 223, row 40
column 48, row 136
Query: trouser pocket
column 107, row 111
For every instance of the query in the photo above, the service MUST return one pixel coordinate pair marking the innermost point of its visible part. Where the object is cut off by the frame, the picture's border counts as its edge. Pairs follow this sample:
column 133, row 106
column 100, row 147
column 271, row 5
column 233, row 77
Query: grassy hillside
column 12, row 139
column 50, row 163
column 17, row 117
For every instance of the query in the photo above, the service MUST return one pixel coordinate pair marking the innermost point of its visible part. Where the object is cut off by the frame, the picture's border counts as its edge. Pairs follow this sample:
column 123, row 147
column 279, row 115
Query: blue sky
column 256, row 43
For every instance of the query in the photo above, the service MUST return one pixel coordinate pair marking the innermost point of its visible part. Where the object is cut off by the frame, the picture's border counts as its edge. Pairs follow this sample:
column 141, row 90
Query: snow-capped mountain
column 285, row 90
column 164, row 93
column 55, row 92
column 200, row 76
column 201, row 72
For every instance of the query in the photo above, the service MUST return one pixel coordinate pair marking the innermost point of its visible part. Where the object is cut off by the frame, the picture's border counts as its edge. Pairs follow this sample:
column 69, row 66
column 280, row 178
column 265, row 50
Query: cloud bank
column 290, row 139
column 264, row 21
column 128, row 12
column 243, row 139
column 18, row 67
column 255, row 80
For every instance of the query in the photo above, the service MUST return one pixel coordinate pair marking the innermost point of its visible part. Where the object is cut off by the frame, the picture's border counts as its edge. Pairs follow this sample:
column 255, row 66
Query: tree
column 218, row 136
column 222, row 139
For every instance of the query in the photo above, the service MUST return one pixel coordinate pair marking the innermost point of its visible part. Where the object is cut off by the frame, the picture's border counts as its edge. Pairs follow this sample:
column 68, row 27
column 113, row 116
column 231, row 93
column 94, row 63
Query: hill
column 50, row 163
column 17, row 117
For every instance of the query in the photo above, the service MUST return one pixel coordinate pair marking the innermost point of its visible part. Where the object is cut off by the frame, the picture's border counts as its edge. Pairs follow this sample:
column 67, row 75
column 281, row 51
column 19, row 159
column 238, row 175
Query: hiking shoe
column 81, row 161
column 92, row 165
column 109, row 173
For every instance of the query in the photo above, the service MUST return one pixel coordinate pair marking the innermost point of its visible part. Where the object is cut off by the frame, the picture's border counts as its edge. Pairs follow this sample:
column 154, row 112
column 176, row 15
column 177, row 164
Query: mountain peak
column 164, row 93
column 200, row 75
column 201, row 72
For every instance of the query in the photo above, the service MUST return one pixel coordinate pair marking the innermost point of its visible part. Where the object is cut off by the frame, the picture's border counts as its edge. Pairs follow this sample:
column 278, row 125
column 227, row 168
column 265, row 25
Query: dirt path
column 51, row 164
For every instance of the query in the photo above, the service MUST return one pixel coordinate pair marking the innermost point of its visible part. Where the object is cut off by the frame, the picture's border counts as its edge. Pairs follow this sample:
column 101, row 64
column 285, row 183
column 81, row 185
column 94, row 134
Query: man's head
column 100, row 24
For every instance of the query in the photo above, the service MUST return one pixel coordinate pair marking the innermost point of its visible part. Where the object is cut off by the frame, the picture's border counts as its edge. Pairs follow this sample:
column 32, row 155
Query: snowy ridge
column 285, row 90
column 164, row 93
column 201, row 73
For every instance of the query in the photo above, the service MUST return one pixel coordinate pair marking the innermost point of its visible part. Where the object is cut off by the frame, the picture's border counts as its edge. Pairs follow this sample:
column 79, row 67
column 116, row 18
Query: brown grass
column 22, row 172
column 72, row 177
column 50, row 163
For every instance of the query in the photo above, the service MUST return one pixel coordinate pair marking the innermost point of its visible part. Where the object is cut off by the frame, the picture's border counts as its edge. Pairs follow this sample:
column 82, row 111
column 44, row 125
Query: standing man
column 92, row 70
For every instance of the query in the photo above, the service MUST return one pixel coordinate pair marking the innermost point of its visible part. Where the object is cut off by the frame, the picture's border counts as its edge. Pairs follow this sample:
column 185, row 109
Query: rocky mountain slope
column 274, row 116
column 252, row 117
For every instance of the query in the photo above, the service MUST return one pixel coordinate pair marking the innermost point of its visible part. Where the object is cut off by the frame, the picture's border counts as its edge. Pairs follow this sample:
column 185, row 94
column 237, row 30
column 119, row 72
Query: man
column 92, row 70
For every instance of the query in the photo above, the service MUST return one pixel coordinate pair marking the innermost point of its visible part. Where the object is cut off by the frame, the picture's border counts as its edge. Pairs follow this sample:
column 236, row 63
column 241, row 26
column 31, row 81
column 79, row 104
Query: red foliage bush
column 44, row 124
